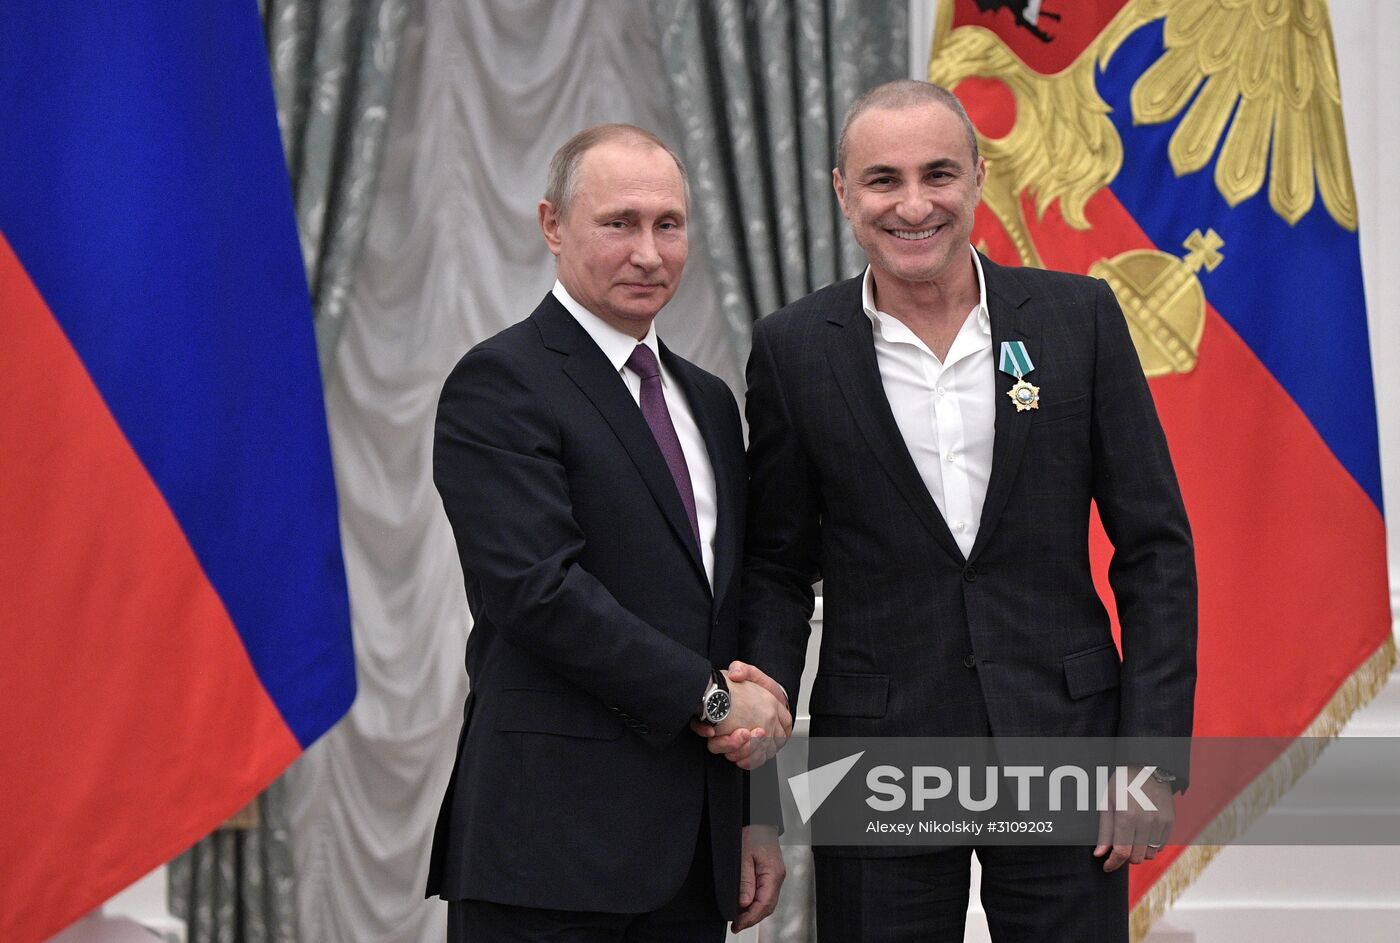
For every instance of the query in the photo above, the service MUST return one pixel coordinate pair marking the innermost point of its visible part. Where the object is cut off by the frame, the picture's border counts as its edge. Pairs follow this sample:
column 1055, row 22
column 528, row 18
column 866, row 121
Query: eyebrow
column 943, row 163
column 612, row 212
column 620, row 212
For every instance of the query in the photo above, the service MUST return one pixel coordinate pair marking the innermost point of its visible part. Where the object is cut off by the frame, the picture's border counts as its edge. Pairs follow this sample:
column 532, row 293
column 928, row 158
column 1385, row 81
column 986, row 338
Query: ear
column 550, row 225
column 981, row 173
column 838, row 183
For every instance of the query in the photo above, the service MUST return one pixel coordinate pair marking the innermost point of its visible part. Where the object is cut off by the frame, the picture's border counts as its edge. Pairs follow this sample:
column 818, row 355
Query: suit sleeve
column 1153, row 570
column 784, row 529
column 498, row 463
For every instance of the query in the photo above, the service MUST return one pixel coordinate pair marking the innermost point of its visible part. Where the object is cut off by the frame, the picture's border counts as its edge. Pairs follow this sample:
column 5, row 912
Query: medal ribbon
column 1014, row 359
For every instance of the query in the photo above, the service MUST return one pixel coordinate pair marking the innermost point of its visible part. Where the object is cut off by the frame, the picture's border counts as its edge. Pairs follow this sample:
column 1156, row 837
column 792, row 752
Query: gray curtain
column 333, row 65
column 236, row 885
column 759, row 88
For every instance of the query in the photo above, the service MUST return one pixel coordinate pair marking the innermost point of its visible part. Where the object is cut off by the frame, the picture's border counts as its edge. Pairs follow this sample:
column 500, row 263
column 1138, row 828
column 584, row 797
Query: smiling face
column 621, row 245
column 909, row 189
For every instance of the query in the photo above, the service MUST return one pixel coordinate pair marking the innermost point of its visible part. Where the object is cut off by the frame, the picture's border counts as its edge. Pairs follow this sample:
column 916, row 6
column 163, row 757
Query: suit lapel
column 851, row 353
column 595, row 377
column 726, row 466
column 1011, row 321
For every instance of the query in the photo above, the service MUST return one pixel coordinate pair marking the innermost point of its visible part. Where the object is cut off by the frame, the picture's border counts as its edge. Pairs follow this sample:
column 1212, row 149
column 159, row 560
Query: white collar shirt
column 945, row 409
column 617, row 347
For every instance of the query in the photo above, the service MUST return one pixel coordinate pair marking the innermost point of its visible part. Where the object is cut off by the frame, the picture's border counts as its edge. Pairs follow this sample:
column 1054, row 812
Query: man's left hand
column 1133, row 833
column 761, row 873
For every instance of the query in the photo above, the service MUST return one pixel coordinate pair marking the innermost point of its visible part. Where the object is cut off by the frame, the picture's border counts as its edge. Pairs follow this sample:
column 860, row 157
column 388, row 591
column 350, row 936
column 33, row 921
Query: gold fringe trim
column 1232, row 821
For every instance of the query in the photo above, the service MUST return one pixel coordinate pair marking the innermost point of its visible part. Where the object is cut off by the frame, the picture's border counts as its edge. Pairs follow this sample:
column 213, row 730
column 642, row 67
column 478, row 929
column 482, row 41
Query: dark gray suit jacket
column 577, row 785
column 1012, row 640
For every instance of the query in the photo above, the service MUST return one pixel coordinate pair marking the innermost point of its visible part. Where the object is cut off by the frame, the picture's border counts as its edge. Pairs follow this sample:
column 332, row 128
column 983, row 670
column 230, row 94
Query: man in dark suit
column 595, row 484
column 927, row 439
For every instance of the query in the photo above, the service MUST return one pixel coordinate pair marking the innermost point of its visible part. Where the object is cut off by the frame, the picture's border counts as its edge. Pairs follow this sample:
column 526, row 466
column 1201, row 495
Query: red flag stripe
column 121, row 654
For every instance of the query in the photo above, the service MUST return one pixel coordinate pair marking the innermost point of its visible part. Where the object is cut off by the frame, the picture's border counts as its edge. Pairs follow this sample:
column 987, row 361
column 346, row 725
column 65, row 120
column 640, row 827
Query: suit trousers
column 1042, row 894
column 691, row 916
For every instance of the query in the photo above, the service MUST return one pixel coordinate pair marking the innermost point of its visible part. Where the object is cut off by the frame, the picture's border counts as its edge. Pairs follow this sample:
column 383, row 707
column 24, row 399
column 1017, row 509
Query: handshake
column 759, row 721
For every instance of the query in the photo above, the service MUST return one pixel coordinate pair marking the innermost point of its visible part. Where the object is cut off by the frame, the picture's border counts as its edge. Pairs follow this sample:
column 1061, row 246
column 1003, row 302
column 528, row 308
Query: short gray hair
column 562, row 184
column 904, row 93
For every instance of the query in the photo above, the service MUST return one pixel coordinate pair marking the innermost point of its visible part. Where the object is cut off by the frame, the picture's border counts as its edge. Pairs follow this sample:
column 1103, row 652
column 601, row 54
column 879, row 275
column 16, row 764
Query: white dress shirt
column 617, row 347
column 945, row 409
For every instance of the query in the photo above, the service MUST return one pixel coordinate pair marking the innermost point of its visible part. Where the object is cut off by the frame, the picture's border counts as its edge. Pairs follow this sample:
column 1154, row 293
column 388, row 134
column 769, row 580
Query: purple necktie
column 643, row 364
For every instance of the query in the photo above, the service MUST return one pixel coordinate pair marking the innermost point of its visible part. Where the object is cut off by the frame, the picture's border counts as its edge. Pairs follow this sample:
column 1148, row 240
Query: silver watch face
column 717, row 706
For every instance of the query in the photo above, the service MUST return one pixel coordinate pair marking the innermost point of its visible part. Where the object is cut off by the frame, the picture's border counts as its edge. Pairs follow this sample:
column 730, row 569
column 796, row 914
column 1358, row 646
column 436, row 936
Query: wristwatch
column 1163, row 777
column 714, row 706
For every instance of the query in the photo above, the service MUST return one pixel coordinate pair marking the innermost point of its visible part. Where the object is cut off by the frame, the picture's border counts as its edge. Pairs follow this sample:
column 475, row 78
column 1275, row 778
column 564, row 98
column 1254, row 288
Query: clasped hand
column 759, row 720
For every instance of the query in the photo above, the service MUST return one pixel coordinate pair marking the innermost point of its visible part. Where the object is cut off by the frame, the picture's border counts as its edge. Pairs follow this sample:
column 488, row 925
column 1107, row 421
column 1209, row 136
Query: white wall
column 1364, row 33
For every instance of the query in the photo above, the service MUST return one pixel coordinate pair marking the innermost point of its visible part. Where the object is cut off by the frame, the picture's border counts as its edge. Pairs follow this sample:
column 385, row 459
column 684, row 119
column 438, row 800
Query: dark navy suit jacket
column 577, row 784
column 1012, row 640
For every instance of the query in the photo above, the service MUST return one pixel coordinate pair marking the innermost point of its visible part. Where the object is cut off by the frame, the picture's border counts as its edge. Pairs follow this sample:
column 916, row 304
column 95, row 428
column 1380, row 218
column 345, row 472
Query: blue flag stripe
column 143, row 187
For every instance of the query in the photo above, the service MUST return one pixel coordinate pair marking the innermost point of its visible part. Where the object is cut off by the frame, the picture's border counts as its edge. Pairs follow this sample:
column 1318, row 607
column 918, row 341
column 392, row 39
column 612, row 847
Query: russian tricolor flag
column 173, row 604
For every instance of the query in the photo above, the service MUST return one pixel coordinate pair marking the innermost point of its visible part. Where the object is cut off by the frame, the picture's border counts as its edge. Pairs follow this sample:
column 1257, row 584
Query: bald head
column 898, row 95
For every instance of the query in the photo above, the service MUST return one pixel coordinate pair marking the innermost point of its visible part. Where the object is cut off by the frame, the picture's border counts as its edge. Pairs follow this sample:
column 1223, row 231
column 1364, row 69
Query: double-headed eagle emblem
column 1261, row 74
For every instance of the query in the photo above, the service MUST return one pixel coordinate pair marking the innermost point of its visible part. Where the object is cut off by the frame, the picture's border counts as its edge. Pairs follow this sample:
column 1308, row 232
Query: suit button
column 970, row 573
column 970, row 661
